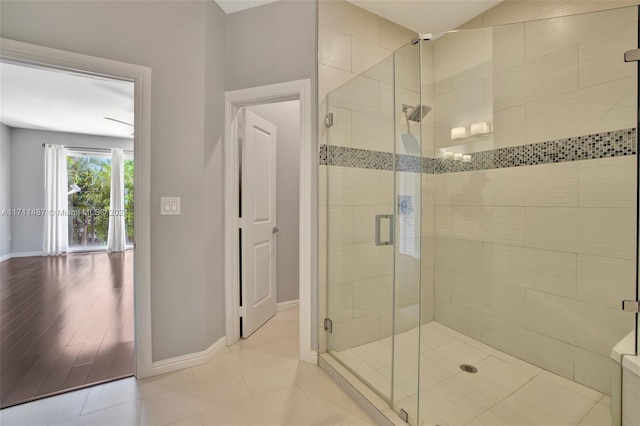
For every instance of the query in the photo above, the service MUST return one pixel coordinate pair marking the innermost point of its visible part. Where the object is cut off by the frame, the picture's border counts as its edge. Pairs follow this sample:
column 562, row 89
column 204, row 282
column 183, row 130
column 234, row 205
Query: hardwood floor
column 65, row 322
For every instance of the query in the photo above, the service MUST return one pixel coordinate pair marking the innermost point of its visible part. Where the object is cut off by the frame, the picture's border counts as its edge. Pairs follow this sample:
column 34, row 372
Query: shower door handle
column 384, row 238
column 632, row 55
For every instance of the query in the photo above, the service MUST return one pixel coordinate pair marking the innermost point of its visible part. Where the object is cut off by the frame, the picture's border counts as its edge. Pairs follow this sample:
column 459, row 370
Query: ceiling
column 421, row 16
column 231, row 6
column 427, row 16
column 46, row 99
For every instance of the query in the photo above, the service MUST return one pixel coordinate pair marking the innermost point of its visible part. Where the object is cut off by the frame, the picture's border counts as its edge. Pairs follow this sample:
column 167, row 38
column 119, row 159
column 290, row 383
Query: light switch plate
column 170, row 206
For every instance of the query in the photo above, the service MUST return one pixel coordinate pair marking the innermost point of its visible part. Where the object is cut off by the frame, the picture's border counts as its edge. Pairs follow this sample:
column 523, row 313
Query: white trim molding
column 189, row 360
column 33, row 55
column 286, row 306
column 234, row 100
column 27, row 254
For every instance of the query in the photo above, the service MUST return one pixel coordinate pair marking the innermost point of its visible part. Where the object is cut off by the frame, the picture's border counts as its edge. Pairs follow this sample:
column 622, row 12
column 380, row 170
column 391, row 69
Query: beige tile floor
column 504, row 391
column 258, row 381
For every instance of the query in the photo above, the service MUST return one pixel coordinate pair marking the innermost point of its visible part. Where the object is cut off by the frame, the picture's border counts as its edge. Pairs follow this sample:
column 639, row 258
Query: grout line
column 84, row 403
column 515, row 391
column 139, row 414
column 588, row 412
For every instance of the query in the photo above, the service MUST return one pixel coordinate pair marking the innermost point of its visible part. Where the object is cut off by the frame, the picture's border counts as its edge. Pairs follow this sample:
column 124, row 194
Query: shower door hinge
column 404, row 415
column 328, row 120
column 632, row 306
column 632, row 55
column 328, row 325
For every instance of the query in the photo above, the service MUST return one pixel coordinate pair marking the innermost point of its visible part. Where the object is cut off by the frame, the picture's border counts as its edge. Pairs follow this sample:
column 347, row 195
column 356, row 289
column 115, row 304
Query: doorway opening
column 256, row 101
column 67, row 284
column 268, row 171
column 69, row 315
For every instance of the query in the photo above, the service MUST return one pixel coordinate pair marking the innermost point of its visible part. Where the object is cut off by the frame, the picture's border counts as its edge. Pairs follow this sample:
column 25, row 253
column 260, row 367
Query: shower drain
column 468, row 368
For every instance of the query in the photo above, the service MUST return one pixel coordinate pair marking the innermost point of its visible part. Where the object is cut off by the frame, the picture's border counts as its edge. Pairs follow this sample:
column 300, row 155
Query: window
column 89, row 178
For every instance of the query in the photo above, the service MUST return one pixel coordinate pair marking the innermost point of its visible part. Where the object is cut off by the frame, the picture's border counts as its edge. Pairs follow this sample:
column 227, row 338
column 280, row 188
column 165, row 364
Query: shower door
column 371, row 160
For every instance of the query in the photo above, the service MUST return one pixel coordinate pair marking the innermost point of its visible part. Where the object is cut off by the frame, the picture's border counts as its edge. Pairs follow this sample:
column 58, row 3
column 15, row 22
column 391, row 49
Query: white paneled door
column 259, row 224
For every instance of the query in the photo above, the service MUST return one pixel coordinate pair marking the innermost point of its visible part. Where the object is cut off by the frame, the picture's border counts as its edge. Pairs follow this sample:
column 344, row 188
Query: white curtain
column 116, row 241
column 56, row 222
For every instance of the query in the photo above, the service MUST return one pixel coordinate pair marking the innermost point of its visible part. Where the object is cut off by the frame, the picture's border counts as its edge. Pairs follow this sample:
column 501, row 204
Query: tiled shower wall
column 351, row 40
column 534, row 260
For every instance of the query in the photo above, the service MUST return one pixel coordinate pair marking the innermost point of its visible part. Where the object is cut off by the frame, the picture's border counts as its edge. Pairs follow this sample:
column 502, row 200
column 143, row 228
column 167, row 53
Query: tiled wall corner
column 351, row 40
column 511, row 11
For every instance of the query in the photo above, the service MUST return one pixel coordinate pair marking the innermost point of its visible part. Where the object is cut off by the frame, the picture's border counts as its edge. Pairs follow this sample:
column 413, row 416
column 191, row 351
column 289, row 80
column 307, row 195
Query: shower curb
column 369, row 401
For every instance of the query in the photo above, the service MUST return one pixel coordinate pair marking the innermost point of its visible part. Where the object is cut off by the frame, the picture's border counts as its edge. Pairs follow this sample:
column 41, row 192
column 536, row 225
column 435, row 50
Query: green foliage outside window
column 89, row 208
column 128, row 199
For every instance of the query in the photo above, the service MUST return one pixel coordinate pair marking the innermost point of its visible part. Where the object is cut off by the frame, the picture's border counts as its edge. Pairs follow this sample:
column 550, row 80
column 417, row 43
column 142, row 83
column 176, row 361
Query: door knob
column 275, row 230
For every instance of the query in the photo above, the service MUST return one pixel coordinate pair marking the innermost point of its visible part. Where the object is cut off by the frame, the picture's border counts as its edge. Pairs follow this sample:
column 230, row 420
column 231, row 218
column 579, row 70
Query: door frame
column 45, row 57
column 234, row 101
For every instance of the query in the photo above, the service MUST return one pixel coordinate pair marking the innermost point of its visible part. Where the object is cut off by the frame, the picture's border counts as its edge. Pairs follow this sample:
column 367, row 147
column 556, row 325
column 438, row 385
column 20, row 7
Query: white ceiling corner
column 421, row 16
column 231, row 6
column 427, row 16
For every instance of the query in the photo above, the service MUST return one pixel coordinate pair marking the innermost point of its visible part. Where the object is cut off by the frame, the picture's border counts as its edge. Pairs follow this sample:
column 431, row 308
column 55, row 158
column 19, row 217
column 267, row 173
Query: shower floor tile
column 504, row 391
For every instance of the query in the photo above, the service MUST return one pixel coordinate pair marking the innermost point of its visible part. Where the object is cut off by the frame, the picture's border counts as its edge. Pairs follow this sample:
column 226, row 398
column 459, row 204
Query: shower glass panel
column 481, row 214
column 534, row 208
column 410, row 112
column 373, row 154
column 361, row 222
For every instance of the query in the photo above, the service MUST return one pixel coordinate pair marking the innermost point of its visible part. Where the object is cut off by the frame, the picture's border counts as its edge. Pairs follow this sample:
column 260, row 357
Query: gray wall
column 286, row 117
column 5, row 190
column 272, row 43
column 190, row 46
column 27, row 178
column 172, row 38
column 213, row 190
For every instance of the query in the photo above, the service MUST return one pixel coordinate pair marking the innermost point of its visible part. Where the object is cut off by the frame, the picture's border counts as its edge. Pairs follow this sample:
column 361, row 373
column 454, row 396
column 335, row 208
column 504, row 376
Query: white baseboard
column 312, row 358
column 190, row 360
column 23, row 254
column 285, row 306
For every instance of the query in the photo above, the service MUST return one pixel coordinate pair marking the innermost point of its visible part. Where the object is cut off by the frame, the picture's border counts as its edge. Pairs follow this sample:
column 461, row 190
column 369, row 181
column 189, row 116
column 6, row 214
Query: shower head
column 417, row 113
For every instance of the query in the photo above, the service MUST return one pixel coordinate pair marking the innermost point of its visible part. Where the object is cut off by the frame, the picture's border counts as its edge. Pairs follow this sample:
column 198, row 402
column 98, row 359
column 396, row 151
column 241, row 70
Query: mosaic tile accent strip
column 365, row 159
column 331, row 155
column 589, row 147
column 429, row 165
column 408, row 163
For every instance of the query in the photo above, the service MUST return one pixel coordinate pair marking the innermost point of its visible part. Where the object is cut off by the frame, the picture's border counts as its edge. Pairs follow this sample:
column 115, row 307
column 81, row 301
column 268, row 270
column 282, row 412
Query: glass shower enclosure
column 478, row 208
column 374, row 163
